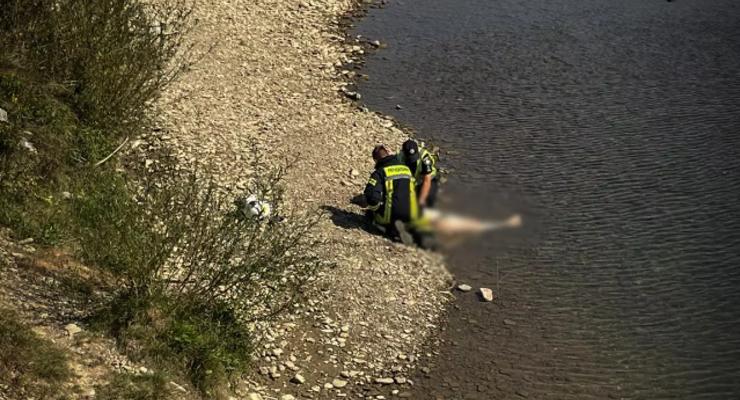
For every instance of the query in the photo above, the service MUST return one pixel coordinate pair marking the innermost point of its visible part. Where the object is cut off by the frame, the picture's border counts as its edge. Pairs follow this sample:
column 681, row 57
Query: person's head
column 380, row 152
column 410, row 150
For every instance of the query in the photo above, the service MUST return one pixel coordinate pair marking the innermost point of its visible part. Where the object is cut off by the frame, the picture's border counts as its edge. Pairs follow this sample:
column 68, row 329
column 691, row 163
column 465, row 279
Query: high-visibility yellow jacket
column 391, row 192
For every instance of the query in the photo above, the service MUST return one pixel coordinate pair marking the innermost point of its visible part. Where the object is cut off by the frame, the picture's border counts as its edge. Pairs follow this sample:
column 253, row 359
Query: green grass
column 203, row 343
column 44, row 152
column 135, row 387
column 208, row 341
column 30, row 366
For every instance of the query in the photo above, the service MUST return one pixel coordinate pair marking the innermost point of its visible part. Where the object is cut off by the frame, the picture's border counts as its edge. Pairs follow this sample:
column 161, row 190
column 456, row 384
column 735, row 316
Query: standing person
column 422, row 165
column 391, row 196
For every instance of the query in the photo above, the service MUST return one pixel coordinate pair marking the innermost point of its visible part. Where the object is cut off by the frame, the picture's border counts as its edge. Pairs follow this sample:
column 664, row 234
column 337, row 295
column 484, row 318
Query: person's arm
column 374, row 191
column 426, row 187
column 427, row 169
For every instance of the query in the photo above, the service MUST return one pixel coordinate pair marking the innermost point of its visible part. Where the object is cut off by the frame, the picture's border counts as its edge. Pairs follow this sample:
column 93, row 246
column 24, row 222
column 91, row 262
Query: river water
column 614, row 127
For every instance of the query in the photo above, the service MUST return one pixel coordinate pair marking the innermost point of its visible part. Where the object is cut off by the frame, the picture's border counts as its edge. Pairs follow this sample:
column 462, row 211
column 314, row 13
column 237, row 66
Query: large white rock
column 486, row 294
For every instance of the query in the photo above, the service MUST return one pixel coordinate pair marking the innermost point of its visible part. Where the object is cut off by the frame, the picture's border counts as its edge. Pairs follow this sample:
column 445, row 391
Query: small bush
column 134, row 387
column 192, row 271
column 29, row 365
column 181, row 237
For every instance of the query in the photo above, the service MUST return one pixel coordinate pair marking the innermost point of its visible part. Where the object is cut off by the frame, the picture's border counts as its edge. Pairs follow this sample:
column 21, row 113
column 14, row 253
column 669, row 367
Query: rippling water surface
column 615, row 127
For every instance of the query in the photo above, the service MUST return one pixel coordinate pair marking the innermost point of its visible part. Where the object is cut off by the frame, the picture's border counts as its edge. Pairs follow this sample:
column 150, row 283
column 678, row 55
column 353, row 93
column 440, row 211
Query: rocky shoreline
column 277, row 82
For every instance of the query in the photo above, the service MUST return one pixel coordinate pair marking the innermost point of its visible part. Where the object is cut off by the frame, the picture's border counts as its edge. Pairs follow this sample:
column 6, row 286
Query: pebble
column 178, row 387
column 290, row 365
column 384, row 381
column 339, row 383
column 353, row 95
column 72, row 329
column 254, row 396
column 298, row 379
column 26, row 144
column 464, row 288
column 486, row 294
column 287, row 397
column 3, row 115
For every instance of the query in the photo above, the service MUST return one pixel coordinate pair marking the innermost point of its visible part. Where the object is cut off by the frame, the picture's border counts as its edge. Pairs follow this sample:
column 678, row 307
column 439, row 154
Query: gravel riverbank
column 274, row 80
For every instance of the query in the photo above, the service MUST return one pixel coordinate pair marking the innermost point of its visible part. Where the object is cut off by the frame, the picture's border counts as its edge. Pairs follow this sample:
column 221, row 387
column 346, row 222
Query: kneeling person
column 391, row 196
column 422, row 165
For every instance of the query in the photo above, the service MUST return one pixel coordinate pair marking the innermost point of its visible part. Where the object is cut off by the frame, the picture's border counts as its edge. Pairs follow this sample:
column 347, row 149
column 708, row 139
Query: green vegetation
column 75, row 78
column 29, row 365
column 134, row 387
column 192, row 272
column 185, row 273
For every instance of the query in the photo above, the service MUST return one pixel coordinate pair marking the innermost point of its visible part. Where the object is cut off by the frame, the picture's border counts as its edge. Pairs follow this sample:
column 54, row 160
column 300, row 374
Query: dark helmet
column 410, row 150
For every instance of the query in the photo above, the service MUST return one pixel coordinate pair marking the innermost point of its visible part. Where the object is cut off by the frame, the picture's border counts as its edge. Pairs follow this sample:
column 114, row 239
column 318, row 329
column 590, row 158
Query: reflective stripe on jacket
column 399, row 196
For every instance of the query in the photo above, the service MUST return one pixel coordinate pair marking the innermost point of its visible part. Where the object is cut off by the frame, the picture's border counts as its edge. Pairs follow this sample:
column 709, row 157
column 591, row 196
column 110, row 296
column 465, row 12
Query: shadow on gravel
column 349, row 220
column 48, row 291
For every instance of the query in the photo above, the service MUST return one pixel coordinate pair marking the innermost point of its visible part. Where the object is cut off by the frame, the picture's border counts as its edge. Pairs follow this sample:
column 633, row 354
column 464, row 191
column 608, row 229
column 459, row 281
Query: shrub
column 181, row 237
column 192, row 271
